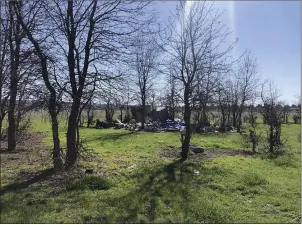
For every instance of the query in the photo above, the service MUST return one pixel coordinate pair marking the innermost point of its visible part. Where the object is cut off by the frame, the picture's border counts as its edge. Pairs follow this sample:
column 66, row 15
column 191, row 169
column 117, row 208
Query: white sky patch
column 188, row 6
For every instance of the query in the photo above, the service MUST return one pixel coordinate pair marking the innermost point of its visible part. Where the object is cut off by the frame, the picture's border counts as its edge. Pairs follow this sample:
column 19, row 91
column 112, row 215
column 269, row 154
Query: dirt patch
column 31, row 165
column 29, row 142
column 172, row 152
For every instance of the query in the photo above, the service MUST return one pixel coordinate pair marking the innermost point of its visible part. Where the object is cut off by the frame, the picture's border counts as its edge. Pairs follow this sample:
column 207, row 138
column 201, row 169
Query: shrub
column 89, row 183
column 297, row 118
column 286, row 160
column 253, row 179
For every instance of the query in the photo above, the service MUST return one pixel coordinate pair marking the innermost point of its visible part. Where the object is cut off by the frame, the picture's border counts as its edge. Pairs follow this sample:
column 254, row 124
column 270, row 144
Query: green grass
column 136, row 185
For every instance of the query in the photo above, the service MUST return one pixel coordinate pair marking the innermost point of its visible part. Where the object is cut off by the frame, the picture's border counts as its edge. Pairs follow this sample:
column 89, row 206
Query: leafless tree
column 248, row 81
column 205, row 91
column 195, row 45
column 96, row 34
column 41, row 52
column 4, row 63
column 286, row 112
column 254, row 137
column 224, row 102
column 15, row 36
column 146, row 54
column 272, row 114
column 172, row 95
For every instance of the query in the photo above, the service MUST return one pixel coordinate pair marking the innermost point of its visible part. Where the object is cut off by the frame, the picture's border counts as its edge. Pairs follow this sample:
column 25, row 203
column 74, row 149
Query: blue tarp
column 174, row 124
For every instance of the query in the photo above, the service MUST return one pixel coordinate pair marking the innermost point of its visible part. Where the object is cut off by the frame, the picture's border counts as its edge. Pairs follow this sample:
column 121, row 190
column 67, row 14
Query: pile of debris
column 117, row 124
column 153, row 126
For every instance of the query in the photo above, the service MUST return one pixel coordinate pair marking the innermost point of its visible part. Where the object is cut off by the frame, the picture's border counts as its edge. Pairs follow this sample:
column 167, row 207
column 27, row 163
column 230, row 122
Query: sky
column 271, row 31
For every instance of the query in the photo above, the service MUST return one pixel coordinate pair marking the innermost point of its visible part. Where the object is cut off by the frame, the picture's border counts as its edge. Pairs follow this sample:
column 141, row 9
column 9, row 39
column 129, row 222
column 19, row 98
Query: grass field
column 136, row 179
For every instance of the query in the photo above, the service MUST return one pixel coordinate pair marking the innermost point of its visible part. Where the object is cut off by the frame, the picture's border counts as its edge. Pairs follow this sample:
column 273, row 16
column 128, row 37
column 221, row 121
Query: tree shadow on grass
column 39, row 176
column 142, row 200
column 113, row 136
column 162, row 195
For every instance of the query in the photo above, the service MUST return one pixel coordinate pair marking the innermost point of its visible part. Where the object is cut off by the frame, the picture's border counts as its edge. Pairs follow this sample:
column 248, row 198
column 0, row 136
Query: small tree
column 272, row 115
column 285, row 112
column 109, row 111
column 253, row 137
column 195, row 47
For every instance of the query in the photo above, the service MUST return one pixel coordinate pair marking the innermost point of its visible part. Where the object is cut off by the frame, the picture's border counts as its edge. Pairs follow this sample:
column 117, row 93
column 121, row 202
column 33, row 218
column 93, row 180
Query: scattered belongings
column 173, row 125
column 157, row 126
column 153, row 126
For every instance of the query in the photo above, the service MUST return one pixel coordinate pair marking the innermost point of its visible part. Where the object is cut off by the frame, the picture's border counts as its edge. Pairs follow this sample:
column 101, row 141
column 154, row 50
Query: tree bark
column 14, row 32
column 187, row 118
column 72, row 151
column 143, row 112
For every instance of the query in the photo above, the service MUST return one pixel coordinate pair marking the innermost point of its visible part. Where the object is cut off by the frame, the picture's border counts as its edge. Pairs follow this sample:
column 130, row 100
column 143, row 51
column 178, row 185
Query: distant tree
column 286, row 112
column 245, row 84
column 146, row 55
column 273, row 116
column 293, row 106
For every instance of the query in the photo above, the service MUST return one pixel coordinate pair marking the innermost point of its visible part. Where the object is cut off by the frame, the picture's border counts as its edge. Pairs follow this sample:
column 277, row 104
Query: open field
column 136, row 179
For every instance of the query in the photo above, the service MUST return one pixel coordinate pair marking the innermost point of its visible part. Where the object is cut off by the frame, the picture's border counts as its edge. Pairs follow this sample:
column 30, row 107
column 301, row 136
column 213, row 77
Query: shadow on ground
column 162, row 194
column 39, row 176
column 113, row 136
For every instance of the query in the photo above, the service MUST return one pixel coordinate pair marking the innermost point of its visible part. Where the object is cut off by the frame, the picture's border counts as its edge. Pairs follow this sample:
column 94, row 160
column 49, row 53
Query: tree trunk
column 72, row 151
column 223, row 118
column 271, row 139
column 239, row 123
column 187, row 118
column 173, row 114
column 143, row 113
column 1, row 120
column 56, row 155
column 234, row 118
column 14, row 31
column 11, row 142
column 88, row 119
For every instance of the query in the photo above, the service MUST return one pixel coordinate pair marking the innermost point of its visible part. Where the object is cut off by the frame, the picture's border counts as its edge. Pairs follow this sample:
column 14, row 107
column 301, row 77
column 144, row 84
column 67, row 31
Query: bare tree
column 248, row 82
column 15, row 36
column 286, row 112
column 172, row 97
column 146, row 54
column 195, row 45
column 4, row 63
column 273, row 115
column 53, row 107
column 224, row 101
column 95, row 35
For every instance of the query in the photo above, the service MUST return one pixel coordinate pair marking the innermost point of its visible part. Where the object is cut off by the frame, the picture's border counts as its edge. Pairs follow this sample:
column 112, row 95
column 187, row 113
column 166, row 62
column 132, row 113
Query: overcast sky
column 271, row 30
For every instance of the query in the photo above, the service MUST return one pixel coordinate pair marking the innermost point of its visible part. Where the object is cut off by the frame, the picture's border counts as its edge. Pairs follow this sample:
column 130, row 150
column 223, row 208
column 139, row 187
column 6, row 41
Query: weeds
column 89, row 183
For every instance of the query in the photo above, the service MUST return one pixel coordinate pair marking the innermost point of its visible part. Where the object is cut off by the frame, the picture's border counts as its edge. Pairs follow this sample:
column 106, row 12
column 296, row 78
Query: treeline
column 72, row 55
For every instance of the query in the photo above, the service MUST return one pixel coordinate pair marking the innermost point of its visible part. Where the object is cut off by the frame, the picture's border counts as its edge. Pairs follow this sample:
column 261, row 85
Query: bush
column 297, row 118
column 89, row 183
column 253, row 179
column 286, row 160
